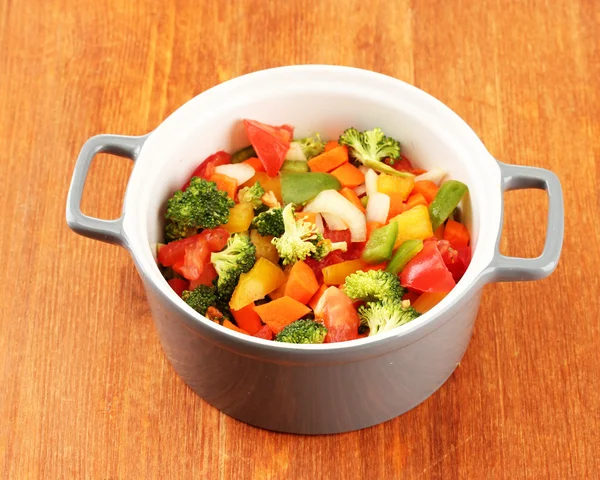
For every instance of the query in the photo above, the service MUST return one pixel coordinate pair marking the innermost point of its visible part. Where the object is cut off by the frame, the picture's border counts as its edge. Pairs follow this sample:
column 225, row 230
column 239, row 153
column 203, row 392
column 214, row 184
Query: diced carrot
column 353, row 198
column 265, row 332
column 231, row 326
column 309, row 217
column 255, row 163
column 416, row 199
column 281, row 312
column 372, row 226
column 349, row 176
column 328, row 161
column 225, row 183
column 302, row 283
column 457, row 234
column 426, row 188
column 397, row 205
column 331, row 144
column 248, row 319
column 439, row 232
column 312, row 303
column 427, row 301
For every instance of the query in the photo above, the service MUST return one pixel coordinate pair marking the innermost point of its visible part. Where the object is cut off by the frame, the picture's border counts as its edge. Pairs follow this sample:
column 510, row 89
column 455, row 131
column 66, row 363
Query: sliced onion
column 295, row 153
column 378, row 207
column 334, row 222
column 319, row 223
column 435, row 175
column 242, row 172
column 361, row 190
column 331, row 201
column 371, row 181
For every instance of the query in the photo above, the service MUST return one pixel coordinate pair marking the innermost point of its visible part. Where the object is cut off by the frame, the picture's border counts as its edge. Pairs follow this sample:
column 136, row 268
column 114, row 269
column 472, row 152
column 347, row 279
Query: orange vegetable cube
column 349, row 176
column 301, row 284
column 281, row 312
column 328, row 161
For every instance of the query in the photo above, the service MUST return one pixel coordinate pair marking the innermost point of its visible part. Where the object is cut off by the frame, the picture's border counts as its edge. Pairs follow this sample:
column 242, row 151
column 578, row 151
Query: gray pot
column 316, row 388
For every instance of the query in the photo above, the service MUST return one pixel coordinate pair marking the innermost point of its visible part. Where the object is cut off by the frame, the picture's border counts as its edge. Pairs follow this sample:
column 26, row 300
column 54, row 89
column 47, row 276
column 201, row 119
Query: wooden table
column 85, row 390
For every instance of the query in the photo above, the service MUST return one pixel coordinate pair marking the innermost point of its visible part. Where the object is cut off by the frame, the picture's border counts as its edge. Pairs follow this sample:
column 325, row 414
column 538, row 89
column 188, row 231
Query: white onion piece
column 319, row 223
column 363, row 169
column 295, row 153
column 331, row 201
column 334, row 222
column 378, row 207
column 371, row 181
column 361, row 190
column 242, row 172
column 435, row 175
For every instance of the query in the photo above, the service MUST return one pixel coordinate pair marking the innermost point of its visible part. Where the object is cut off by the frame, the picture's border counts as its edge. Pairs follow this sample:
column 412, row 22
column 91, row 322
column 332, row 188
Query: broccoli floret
column 174, row 231
column 374, row 285
column 326, row 246
column 237, row 258
column 202, row 205
column 269, row 222
column 302, row 331
column 383, row 316
column 252, row 195
column 311, row 146
column 371, row 147
column 298, row 240
column 200, row 298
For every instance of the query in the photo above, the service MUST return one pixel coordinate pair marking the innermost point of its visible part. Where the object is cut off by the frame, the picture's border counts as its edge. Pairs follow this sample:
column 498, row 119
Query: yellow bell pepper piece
column 427, row 301
column 414, row 224
column 240, row 218
column 262, row 279
column 389, row 184
column 264, row 247
column 336, row 274
column 272, row 184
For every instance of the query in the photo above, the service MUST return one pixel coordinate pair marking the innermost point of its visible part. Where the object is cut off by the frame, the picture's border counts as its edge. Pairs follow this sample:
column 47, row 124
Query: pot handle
column 110, row 231
column 506, row 269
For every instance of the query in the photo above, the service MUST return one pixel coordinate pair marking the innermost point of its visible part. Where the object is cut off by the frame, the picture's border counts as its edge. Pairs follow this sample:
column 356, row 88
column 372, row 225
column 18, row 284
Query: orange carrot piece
column 255, row 163
column 353, row 198
column 372, row 226
column 231, row 326
column 439, row 233
column 457, row 234
column 309, row 217
column 302, row 283
column 225, row 183
column 416, row 199
column 312, row 303
column 427, row 301
column 328, row 161
column 349, row 176
column 331, row 144
column 426, row 188
column 247, row 319
column 397, row 205
column 281, row 312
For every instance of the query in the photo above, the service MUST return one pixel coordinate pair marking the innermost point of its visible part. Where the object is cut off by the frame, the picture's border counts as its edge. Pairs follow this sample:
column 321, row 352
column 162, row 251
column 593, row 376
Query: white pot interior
column 321, row 99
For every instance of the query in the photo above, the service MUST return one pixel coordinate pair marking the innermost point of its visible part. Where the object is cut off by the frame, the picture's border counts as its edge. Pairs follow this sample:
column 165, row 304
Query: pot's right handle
column 505, row 269
column 110, row 231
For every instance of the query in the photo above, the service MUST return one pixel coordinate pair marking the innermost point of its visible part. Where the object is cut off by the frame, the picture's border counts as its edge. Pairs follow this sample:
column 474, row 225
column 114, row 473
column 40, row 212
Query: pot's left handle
column 110, row 231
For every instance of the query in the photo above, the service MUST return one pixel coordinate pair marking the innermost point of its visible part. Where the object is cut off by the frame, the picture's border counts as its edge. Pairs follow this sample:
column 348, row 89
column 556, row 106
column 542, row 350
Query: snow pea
column 299, row 188
column 448, row 197
column 297, row 166
column 243, row 154
column 405, row 253
column 380, row 245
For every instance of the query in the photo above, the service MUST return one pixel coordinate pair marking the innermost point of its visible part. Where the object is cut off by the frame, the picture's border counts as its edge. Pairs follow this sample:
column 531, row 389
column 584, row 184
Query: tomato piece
column 195, row 258
column 270, row 143
column 338, row 235
column 336, row 311
column 427, row 272
column 174, row 252
column 403, row 164
column 354, row 251
column 216, row 238
column 457, row 260
column 178, row 285
column 265, row 332
column 207, row 167
column 206, row 277
column 317, row 267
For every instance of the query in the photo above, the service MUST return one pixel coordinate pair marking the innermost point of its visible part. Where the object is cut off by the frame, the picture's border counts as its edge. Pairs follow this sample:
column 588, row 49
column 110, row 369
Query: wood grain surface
column 85, row 390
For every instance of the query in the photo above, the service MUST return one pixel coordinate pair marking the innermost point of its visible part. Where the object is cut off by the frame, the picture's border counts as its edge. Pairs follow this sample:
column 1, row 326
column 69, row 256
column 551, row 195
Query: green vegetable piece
column 381, row 244
column 243, row 154
column 448, row 197
column 405, row 253
column 364, row 200
column 297, row 166
column 200, row 298
column 374, row 285
column 299, row 188
column 302, row 331
column 384, row 316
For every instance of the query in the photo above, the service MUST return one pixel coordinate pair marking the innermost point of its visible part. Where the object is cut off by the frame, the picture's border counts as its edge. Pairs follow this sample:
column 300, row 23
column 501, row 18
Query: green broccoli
column 202, row 205
column 299, row 238
column 237, row 258
column 175, row 231
column 200, row 298
column 383, row 316
column 326, row 246
column 302, row 331
column 252, row 195
column 371, row 147
column 374, row 285
column 269, row 222
column 311, row 146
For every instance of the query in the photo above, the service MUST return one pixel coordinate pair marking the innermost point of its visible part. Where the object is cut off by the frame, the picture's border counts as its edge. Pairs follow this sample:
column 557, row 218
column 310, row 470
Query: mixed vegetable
column 307, row 241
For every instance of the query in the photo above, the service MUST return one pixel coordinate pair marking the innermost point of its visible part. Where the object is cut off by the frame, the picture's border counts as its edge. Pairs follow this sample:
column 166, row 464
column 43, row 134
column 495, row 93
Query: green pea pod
column 297, row 166
column 381, row 244
column 243, row 154
column 448, row 197
column 364, row 200
column 299, row 188
column 405, row 253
